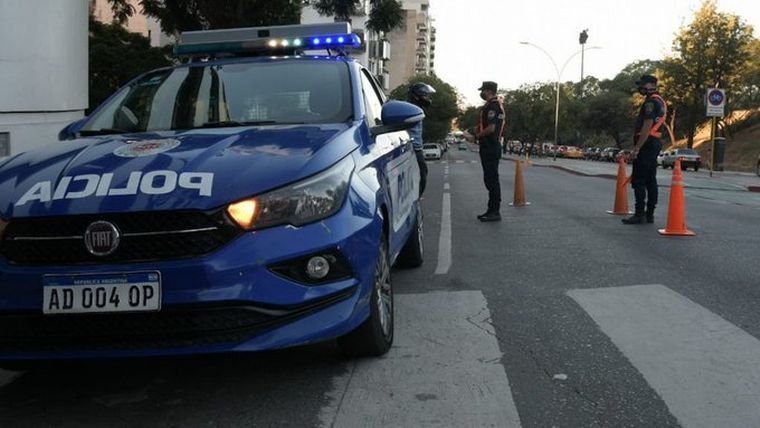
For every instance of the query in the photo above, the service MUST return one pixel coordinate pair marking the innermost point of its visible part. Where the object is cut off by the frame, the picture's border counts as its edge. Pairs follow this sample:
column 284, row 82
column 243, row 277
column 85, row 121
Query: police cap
column 647, row 78
column 489, row 86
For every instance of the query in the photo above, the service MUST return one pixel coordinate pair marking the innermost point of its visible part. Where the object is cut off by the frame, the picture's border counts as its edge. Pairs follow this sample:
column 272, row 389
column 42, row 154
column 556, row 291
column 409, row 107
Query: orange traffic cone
column 519, row 198
column 677, row 207
column 621, row 192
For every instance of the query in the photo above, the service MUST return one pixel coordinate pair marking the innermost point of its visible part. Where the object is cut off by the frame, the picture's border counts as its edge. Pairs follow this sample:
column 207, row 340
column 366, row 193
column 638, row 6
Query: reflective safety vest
column 655, row 131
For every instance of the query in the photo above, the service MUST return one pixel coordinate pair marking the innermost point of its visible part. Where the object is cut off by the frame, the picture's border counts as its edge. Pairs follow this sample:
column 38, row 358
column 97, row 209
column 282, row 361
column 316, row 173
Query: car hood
column 198, row 169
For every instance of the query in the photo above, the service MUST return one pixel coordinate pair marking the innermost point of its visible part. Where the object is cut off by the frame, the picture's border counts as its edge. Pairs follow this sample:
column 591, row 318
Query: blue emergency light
column 267, row 40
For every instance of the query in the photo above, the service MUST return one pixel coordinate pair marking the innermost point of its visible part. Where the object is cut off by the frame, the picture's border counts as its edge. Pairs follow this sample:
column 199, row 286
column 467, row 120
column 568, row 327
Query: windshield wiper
column 230, row 123
column 104, row 131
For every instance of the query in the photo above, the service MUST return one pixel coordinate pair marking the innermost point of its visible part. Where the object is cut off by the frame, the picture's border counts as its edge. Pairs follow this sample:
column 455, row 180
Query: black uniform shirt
column 492, row 114
column 652, row 108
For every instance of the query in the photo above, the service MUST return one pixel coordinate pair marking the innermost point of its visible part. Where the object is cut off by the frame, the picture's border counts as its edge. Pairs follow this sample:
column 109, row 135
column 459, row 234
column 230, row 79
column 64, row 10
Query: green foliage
column 468, row 118
column 186, row 15
column 712, row 51
column 440, row 115
column 116, row 56
column 384, row 15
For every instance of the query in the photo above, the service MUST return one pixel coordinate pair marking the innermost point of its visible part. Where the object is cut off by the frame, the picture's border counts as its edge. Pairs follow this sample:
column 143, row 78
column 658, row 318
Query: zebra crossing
column 446, row 366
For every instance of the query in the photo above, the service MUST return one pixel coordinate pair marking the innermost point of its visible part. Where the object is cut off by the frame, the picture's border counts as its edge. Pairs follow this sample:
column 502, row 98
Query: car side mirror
column 398, row 116
column 70, row 131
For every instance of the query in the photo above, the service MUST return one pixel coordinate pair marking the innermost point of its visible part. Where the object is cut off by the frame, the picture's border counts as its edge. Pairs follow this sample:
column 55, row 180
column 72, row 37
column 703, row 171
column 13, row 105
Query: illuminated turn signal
column 243, row 212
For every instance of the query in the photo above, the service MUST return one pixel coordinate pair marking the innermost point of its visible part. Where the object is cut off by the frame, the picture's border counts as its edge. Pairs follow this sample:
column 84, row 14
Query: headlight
column 301, row 203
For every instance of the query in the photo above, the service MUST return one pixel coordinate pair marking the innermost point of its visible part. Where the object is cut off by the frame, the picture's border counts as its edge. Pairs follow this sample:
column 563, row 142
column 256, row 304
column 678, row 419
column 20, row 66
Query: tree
column 116, row 56
column 712, row 51
column 468, row 118
column 384, row 15
column 440, row 115
column 186, row 15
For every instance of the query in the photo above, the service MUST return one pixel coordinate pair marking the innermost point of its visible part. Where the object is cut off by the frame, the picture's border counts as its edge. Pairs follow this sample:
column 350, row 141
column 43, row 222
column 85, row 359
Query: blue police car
column 252, row 198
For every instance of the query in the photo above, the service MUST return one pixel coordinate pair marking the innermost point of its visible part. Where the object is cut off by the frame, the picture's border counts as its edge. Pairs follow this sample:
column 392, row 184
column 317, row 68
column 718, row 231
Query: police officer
column 420, row 94
column 647, row 146
column 488, row 135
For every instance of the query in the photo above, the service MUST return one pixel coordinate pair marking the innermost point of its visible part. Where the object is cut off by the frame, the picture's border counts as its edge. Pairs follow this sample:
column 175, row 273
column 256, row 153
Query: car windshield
column 430, row 146
column 251, row 93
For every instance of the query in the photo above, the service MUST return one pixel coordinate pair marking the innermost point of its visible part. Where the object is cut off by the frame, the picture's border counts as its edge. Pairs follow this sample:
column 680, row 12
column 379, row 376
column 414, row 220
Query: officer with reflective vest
column 421, row 95
column 649, row 127
column 488, row 134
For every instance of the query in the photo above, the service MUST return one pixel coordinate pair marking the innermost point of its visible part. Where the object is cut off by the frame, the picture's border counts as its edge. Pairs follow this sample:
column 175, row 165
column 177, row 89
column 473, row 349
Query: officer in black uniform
column 647, row 146
column 488, row 134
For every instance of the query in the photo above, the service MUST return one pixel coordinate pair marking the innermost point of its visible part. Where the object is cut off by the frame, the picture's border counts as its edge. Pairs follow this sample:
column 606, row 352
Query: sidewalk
column 724, row 180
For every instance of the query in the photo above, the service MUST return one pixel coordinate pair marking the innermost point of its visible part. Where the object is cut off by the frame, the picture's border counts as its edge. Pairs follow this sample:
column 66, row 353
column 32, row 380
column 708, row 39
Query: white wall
column 43, row 68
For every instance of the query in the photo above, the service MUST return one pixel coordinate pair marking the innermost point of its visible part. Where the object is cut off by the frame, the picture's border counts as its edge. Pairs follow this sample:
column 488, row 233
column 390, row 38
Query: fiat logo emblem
column 101, row 238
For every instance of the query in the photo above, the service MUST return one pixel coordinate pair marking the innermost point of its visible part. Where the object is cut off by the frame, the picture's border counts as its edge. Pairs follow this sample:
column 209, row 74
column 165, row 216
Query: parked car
column 573, row 152
column 462, row 146
column 172, row 223
column 689, row 159
column 432, row 151
column 625, row 154
column 561, row 151
column 660, row 157
column 609, row 154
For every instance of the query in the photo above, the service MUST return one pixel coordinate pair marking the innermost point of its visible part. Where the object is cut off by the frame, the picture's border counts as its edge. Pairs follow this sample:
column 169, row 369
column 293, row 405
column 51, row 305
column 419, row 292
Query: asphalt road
column 557, row 316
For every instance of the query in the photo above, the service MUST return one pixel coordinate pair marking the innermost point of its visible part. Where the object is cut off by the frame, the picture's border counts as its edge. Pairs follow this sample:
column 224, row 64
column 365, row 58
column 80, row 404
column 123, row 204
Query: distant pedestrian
column 646, row 147
column 420, row 94
column 488, row 135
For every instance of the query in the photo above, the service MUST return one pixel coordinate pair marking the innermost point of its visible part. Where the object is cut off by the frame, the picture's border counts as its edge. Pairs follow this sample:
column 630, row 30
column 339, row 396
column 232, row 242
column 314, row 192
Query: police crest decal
column 136, row 149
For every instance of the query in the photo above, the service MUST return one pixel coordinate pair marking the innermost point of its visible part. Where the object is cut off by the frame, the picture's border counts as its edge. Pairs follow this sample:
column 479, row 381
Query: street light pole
column 582, row 39
column 559, row 72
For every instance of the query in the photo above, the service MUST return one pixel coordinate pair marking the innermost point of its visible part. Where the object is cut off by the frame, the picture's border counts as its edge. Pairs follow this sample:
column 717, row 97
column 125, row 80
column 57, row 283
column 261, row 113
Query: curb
column 754, row 189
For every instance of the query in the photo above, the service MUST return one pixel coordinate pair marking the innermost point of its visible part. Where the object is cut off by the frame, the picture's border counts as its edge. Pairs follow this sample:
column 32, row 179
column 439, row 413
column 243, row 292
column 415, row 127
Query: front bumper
column 227, row 301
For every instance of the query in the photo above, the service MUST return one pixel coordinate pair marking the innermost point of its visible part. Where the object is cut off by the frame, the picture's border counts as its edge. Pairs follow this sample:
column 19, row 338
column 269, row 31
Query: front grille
column 145, row 236
column 169, row 328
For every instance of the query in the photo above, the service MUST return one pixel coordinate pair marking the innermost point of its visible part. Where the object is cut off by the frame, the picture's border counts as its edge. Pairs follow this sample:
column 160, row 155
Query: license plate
column 80, row 294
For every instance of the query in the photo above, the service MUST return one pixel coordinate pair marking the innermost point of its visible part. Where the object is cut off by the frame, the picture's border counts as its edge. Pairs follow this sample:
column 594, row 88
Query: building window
column 5, row 144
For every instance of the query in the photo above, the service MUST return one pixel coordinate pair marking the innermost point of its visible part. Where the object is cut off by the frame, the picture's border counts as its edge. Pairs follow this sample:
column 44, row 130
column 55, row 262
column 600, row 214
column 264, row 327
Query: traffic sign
column 716, row 102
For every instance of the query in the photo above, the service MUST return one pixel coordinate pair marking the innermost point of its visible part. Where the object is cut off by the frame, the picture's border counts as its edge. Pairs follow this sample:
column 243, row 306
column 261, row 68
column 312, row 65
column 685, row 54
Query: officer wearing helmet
column 646, row 147
column 420, row 94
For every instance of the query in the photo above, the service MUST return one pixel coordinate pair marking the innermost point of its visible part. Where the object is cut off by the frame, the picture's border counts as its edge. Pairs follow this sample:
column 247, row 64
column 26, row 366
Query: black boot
column 650, row 214
column 493, row 216
column 637, row 218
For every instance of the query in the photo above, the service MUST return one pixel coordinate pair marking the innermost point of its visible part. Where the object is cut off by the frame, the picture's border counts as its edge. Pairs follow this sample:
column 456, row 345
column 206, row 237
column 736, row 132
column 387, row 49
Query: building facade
column 375, row 50
column 43, row 77
column 413, row 44
column 137, row 23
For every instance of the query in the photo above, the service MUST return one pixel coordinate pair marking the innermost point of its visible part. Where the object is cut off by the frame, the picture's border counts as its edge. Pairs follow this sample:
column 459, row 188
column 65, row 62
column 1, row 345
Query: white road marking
column 444, row 162
column 443, row 370
column 460, row 161
column 706, row 369
column 446, row 186
column 444, row 239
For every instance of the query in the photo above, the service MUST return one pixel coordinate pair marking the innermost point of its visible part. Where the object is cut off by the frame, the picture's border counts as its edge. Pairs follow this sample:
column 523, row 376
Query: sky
column 479, row 40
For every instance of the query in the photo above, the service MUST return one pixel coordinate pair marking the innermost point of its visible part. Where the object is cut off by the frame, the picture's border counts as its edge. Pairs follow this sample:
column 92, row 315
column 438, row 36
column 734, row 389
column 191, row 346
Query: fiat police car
column 253, row 197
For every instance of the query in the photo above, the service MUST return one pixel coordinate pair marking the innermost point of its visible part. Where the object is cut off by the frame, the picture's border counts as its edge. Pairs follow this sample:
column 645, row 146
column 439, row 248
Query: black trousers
column 490, row 156
column 644, row 177
column 423, row 169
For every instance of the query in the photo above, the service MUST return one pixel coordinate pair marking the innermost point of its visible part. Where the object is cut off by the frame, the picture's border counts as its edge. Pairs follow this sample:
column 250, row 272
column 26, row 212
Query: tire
column 413, row 253
column 696, row 168
column 374, row 336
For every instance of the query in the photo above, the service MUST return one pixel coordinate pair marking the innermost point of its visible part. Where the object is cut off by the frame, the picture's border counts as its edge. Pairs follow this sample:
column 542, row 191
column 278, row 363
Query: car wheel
column 412, row 255
column 696, row 168
column 374, row 336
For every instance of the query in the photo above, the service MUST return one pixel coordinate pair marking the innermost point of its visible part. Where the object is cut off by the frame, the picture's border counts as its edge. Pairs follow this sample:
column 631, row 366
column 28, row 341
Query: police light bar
column 267, row 39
